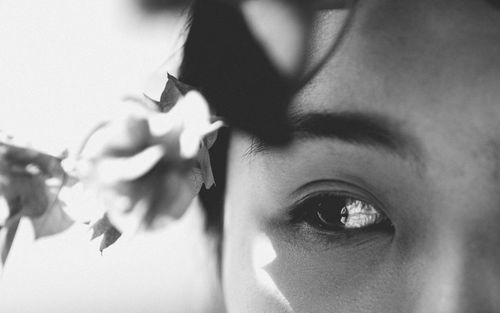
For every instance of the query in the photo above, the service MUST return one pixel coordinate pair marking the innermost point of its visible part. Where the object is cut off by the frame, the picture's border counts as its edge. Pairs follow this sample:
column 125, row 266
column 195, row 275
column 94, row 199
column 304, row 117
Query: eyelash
column 311, row 225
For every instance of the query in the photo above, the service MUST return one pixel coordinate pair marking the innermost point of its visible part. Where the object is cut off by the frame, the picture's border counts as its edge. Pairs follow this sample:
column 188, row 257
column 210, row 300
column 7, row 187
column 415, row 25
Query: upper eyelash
column 294, row 208
column 365, row 195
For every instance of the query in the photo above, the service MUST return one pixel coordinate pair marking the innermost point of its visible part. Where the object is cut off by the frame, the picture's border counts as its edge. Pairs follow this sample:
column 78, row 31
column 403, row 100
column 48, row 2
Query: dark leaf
column 48, row 165
column 30, row 182
column 23, row 176
column 174, row 89
column 100, row 227
column 205, row 167
column 110, row 237
column 24, row 192
column 103, row 227
column 53, row 221
column 7, row 235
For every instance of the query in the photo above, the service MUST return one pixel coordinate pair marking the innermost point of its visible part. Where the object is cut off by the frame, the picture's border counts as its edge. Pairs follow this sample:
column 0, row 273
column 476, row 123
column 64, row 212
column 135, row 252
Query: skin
column 430, row 70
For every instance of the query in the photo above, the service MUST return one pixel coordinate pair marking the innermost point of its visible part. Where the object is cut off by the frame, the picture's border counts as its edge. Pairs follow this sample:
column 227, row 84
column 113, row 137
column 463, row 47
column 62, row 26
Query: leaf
column 48, row 164
column 110, row 237
column 103, row 227
column 182, row 87
column 53, row 221
column 206, row 167
column 173, row 91
column 25, row 193
column 29, row 182
column 100, row 227
column 24, row 174
column 7, row 235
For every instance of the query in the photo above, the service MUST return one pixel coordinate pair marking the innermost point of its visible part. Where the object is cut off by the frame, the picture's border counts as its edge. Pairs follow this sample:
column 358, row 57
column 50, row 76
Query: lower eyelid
column 310, row 238
column 306, row 236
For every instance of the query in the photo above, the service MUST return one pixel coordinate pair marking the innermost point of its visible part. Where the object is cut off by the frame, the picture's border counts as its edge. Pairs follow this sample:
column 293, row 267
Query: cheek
column 268, row 266
column 265, row 270
column 247, row 286
column 264, row 273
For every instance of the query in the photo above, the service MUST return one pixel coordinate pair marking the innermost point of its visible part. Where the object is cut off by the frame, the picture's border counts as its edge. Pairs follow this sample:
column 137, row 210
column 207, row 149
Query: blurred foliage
column 29, row 185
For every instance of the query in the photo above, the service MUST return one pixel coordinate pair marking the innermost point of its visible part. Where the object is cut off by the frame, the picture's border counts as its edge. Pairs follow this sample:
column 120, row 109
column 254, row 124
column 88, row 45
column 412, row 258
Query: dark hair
column 224, row 62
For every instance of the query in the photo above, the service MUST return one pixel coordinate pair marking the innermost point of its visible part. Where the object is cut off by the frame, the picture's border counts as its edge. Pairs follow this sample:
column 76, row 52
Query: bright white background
column 64, row 65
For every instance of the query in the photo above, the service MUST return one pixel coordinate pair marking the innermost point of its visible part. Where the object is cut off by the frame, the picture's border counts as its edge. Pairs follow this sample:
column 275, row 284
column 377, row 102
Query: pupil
column 331, row 212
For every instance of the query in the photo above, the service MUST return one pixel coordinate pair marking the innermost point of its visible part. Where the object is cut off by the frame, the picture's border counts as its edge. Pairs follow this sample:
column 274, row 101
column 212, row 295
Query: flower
column 147, row 167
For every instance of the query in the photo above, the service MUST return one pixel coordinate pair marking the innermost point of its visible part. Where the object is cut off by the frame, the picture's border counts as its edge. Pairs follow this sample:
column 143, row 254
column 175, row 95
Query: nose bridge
column 460, row 274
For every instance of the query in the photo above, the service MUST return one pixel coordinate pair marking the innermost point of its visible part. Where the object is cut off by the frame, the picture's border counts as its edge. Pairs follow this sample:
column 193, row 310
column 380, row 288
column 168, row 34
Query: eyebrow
column 353, row 127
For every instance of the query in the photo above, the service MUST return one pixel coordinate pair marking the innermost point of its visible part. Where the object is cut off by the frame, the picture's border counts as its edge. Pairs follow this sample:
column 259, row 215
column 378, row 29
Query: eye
column 337, row 213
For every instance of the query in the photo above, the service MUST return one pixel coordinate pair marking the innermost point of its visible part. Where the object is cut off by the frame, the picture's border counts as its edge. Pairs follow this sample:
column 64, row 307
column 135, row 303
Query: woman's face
column 388, row 199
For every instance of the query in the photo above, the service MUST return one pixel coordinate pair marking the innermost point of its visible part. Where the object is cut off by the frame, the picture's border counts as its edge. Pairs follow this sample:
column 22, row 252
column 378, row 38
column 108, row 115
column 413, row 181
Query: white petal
column 112, row 170
column 162, row 123
column 129, row 222
column 190, row 143
column 82, row 204
column 195, row 109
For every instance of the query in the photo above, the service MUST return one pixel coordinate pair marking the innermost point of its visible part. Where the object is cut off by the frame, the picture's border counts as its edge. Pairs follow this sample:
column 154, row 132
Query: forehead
column 409, row 58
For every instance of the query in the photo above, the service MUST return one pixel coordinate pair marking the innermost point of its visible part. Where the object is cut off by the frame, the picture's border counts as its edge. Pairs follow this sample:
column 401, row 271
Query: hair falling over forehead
column 225, row 62
column 228, row 64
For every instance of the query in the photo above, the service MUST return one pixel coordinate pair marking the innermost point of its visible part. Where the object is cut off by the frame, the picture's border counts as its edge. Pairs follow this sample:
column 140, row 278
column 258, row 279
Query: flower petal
column 113, row 170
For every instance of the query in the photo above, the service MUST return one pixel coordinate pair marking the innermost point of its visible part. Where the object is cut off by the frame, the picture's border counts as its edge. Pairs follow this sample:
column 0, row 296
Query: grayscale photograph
column 250, row 156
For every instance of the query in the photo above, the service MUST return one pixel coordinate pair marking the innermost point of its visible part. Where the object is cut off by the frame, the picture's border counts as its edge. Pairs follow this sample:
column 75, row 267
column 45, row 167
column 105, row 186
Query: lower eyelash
column 311, row 239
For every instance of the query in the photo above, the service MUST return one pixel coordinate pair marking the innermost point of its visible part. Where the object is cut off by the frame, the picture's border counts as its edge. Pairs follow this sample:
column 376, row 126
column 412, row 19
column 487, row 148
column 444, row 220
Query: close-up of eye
column 332, row 213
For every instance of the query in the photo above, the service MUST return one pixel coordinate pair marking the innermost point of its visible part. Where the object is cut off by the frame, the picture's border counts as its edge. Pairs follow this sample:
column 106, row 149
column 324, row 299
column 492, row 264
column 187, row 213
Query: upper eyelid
column 369, row 197
column 322, row 182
